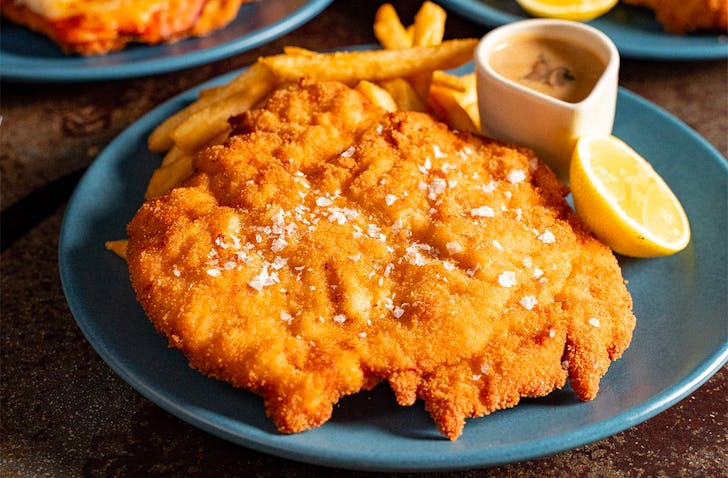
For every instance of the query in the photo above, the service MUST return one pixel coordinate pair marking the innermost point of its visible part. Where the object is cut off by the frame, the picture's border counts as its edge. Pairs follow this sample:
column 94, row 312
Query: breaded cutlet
column 328, row 246
column 688, row 16
column 94, row 27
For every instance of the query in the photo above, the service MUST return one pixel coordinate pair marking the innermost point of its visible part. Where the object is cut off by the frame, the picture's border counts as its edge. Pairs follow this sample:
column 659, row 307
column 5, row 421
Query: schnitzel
column 100, row 26
column 329, row 246
column 686, row 16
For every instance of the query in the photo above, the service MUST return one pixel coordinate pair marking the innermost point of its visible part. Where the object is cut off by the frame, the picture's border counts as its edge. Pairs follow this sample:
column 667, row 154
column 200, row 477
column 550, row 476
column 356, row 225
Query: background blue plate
column 29, row 56
column 680, row 340
column 633, row 30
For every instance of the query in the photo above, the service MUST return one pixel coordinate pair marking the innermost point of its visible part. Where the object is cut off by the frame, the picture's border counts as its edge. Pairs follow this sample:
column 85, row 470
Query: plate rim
column 54, row 70
column 256, row 439
column 480, row 12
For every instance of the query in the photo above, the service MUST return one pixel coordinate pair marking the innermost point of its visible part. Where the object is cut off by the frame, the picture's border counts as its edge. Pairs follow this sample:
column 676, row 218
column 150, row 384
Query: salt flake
column 263, row 279
column 547, row 237
column 278, row 245
column 323, row 201
column 528, row 302
column 489, row 188
column 516, row 176
column 454, row 247
column 436, row 187
column 482, row 211
column 507, row 279
column 349, row 152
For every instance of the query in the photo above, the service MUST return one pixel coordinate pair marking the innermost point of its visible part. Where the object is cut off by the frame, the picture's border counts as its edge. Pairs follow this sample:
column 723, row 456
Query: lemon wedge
column 579, row 10
column 623, row 200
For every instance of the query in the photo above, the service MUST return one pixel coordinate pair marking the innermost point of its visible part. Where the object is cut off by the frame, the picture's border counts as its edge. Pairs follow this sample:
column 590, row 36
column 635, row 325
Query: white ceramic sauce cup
column 517, row 114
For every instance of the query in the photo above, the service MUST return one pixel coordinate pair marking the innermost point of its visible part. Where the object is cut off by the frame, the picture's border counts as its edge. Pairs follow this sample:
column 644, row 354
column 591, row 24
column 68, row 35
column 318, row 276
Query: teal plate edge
column 680, row 340
column 29, row 56
column 633, row 30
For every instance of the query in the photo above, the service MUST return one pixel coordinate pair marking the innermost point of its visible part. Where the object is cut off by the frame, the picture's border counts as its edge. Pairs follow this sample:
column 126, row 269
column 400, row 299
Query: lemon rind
column 632, row 239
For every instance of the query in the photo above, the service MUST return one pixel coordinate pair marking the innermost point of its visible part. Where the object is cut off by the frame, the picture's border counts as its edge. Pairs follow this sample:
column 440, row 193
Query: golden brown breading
column 98, row 27
column 330, row 246
column 686, row 16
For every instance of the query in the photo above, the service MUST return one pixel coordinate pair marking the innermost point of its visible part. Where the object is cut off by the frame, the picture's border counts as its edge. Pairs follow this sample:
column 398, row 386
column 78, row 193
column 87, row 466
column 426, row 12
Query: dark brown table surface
column 65, row 413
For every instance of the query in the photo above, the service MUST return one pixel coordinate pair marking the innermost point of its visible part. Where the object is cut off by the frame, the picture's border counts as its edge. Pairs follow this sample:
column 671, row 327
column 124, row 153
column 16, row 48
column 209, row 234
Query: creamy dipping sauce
column 550, row 66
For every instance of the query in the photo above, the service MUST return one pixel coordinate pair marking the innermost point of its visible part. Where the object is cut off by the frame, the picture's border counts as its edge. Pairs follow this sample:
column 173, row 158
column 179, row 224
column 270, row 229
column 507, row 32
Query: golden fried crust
column 102, row 30
column 686, row 16
column 332, row 246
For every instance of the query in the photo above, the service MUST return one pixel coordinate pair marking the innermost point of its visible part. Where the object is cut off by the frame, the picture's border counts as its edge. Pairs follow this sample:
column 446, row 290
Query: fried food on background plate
column 328, row 246
column 95, row 27
column 686, row 16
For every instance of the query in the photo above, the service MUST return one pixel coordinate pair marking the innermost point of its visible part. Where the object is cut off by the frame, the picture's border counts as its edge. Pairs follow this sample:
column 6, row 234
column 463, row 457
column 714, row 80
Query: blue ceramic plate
column 679, row 342
column 633, row 30
column 29, row 56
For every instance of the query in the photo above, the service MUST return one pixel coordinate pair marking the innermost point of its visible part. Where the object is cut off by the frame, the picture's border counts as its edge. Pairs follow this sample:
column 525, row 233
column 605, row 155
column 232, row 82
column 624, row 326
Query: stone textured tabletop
column 65, row 413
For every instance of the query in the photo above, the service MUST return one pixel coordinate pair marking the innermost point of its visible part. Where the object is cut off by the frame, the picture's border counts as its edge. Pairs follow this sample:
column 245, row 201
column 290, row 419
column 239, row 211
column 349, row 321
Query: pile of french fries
column 406, row 74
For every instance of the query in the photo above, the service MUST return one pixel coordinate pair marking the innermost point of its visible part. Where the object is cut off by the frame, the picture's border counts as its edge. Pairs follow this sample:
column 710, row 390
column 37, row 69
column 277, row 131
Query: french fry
column 377, row 94
column 160, row 140
column 421, row 83
column 389, row 30
column 352, row 66
column 411, row 34
column 429, row 25
column 469, row 81
column 118, row 247
column 463, row 91
column 174, row 154
column 247, row 79
column 446, row 106
column 204, row 125
column 176, row 167
column 427, row 30
column 474, row 112
column 453, row 82
column 468, row 99
column 168, row 176
column 298, row 51
column 404, row 95
column 210, row 93
column 407, row 75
